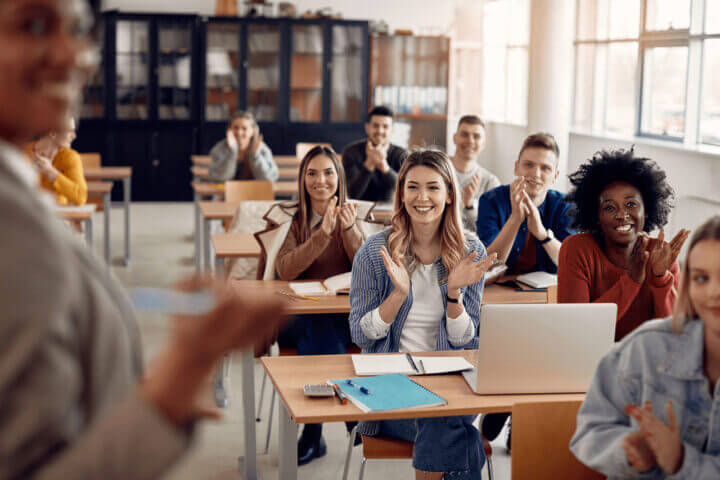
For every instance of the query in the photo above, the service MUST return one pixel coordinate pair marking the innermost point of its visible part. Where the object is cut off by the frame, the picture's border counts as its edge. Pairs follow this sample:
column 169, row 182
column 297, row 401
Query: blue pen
column 359, row 387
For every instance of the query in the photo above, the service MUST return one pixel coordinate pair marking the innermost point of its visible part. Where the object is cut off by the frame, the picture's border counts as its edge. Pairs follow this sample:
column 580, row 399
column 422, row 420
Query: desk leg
column 288, row 445
column 106, row 219
column 198, row 246
column 207, row 245
column 89, row 232
column 248, row 464
column 220, row 267
column 126, row 204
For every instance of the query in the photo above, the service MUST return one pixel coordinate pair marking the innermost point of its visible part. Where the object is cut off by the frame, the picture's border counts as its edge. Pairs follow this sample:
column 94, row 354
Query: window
column 645, row 68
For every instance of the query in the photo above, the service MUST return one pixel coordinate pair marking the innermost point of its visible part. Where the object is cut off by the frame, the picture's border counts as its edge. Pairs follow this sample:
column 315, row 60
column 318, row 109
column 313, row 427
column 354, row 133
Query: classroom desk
column 201, row 190
column 286, row 161
column 103, row 189
column 328, row 304
column 232, row 245
column 82, row 215
column 288, row 375
column 289, row 173
column 201, row 160
column 286, row 187
column 210, row 211
column 124, row 175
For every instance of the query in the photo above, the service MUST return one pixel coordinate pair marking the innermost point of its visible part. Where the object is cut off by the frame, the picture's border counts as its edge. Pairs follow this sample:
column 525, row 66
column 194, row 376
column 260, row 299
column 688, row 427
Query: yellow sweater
column 70, row 185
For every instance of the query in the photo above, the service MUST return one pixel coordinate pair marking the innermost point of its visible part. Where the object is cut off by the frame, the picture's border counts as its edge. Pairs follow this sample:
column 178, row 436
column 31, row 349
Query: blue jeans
column 442, row 444
column 317, row 334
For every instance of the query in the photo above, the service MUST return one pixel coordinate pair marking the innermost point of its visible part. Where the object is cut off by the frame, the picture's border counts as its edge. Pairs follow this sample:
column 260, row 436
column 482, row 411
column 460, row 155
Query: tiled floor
column 162, row 253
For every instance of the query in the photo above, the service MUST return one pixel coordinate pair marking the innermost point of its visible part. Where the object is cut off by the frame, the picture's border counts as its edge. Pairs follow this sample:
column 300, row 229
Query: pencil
column 295, row 295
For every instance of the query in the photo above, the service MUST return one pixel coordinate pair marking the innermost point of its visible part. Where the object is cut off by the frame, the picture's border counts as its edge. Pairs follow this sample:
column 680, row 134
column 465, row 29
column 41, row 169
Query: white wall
column 404, row 14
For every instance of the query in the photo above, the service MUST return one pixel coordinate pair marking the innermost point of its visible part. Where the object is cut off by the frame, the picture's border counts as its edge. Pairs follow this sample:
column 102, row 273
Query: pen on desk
column 296, row 296
column 422, row 367
column 359, row 387
column 411, row 362
column 340, row 395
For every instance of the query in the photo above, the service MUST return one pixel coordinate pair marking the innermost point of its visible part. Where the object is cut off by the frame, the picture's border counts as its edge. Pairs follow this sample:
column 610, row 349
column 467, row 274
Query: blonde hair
column 452, row 238
column 684, row 311
column 304, row 214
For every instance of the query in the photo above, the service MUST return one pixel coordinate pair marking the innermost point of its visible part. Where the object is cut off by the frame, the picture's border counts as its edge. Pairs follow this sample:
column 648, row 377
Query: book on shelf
column 408, row 364
column 337, row 284
column 387, row 392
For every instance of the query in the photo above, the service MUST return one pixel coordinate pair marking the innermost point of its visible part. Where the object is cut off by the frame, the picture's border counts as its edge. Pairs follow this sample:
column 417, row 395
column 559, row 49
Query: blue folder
column 388, row 392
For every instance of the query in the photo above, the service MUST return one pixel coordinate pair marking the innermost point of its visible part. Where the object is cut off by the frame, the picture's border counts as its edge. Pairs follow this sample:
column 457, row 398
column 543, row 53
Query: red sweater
column 586, row 275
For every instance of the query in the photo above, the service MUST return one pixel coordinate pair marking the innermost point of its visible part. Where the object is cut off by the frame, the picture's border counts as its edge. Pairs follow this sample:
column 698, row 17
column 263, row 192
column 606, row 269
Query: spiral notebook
column 387, row 392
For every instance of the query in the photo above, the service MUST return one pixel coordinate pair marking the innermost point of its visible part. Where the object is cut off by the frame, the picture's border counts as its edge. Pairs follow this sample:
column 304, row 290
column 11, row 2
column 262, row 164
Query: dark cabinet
column 169, row 83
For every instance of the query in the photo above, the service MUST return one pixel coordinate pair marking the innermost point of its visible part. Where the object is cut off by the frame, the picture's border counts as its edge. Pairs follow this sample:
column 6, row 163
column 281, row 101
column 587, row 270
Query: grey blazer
column 69, row 355
column 224, row 163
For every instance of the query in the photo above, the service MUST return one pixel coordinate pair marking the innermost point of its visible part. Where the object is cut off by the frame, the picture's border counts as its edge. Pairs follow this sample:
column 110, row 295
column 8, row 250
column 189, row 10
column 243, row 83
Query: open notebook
column 338, row 284
column 407, row 364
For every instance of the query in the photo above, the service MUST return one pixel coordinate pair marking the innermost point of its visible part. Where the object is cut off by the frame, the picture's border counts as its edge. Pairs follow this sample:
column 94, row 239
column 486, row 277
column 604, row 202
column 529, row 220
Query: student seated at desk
column 60, row 167
column 242, row 154
column 618, row 199
column 372, row 163
column 473, row 179
column 318, row 238
column 525, row 222
column 651, row 409
column 417, row 286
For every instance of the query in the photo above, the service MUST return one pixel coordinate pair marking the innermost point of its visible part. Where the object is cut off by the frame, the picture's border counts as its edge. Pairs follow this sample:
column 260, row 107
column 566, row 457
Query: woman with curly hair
column 619, row 198
column 417, row 286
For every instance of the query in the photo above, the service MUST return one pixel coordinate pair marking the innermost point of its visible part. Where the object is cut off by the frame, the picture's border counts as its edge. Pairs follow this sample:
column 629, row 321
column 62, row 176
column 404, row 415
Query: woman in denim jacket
column 651, row 410
column 416, row 287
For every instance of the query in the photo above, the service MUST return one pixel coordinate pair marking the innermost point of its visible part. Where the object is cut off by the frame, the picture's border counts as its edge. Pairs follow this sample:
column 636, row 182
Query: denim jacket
column 654, row 364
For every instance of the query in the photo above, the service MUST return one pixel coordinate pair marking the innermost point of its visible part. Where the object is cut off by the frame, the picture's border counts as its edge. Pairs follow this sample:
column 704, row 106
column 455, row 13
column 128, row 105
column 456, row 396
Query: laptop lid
column 545, row 348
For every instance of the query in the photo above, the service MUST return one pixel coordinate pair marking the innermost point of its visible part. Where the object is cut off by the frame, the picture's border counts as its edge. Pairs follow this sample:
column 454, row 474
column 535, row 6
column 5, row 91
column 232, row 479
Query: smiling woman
column 618, row 199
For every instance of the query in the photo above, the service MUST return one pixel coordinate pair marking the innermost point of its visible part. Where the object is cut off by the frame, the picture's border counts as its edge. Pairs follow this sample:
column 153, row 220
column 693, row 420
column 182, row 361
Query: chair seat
column 381, row 447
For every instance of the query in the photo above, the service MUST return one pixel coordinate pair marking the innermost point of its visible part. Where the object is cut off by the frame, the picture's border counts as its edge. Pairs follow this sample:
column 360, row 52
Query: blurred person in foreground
column 73, row 400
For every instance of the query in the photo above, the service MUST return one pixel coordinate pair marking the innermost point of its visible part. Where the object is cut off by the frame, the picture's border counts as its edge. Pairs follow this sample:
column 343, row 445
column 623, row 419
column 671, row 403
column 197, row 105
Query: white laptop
column 542, row 348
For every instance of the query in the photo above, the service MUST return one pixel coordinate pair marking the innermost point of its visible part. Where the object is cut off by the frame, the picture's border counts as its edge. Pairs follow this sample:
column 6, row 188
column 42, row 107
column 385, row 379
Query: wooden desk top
column 235, row 245
column 286, row 161
column 99, row 188
column 286, row 187
column 204, row 188
column 289, row 374
column 289, row 172
column 75, row 215
column 201, row 160
column 218, row 210
column 493, row 294
column 107, row 173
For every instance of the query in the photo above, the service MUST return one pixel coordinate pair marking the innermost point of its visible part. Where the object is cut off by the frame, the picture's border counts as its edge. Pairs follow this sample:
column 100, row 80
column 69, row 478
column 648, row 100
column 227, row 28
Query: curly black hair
column 606, row 167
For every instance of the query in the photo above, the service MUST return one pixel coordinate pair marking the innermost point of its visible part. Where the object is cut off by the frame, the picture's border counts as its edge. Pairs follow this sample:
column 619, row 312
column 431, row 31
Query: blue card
column 172, row 302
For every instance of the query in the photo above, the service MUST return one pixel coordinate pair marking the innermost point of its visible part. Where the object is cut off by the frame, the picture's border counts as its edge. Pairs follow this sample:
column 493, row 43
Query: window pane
column 712, row 16
column 174, row 45
column 710, row 104
column 495, row 23
column 468, row 68
column 664, row 79
column 517, row 85
column 263, row 71
column 624, row 18
column 347, row 73
column 668, row 14
column 592, row 19
column 131, row 44
column 621, row 73
column 519, row 34
column 494, row 83
column 584, row 83
column 306, row 70
column 221, row 72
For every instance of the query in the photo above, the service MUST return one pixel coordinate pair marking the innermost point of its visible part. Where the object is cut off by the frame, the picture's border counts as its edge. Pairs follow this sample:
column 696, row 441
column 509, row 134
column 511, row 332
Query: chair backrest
column 302, row 148
column 90, row 160
column 382, row 447
column 541, row 433
column 241, row 190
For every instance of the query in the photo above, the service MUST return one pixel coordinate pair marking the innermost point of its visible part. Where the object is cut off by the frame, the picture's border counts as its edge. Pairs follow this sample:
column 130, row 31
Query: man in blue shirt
column 525, row 222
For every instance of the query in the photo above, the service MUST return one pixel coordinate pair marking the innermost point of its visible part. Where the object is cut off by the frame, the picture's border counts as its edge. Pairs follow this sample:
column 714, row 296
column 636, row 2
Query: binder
column 387, row 392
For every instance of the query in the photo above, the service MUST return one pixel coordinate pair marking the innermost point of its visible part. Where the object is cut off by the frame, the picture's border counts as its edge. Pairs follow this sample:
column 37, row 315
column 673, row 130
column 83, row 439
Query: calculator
column 320, row 390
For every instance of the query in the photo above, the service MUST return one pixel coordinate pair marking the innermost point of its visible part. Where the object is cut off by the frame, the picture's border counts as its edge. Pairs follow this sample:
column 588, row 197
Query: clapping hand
column 535, row 224
column 348, row 215
column 639, row 258
column 517, row 190
column 468, row 271
column 230, row 139
column 329, row 220
column 469, row 191
column 663, row 439
column 639, row 454
column 663, row 254
column 398, row 273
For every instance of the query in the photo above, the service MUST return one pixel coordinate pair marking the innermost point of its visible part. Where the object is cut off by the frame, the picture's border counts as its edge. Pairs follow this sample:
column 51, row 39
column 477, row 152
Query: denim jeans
column 443, row 444
column 317, row 334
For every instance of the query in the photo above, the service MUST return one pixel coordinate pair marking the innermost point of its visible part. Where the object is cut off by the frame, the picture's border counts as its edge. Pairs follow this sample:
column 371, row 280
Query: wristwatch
column 550, row 236
column 453, row 300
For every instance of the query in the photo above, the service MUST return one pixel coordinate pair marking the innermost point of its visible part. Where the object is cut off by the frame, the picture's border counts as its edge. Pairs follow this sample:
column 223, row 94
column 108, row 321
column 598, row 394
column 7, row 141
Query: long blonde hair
column 304, row 214
column 452, row 238
column 684, row 311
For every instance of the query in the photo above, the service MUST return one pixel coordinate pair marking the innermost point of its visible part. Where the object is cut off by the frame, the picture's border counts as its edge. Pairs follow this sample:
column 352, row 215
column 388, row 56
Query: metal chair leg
column 262, row 396
column 222, row 382
column 270, row 417
column 490, row 470
column 348, row 454
column 362, row 468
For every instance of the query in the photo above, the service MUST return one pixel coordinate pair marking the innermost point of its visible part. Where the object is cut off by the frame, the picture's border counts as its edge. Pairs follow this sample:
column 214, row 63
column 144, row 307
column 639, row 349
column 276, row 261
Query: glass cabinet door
column 263, row 71
column 173, row 70
column 221, row 70
column 131, row 44
column 346, row 100
column 94, row 93
column 306, row 73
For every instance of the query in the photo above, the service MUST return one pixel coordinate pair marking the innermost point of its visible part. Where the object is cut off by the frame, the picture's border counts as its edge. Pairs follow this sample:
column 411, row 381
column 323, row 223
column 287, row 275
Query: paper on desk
column 384, row 364
column 171, row 302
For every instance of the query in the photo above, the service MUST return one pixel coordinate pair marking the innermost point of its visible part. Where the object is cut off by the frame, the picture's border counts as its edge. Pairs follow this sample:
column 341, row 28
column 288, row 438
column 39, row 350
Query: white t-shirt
column 488, row 181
